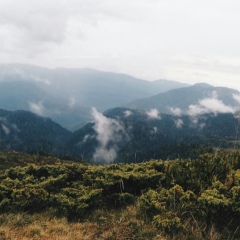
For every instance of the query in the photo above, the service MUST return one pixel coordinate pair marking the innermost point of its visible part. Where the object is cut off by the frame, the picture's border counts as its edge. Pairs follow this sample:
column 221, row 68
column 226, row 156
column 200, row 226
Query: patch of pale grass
column 102, row 224
column 4, row 233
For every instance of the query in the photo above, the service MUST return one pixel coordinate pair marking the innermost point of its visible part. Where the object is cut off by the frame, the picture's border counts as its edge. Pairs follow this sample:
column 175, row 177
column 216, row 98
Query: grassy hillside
column 178, row 199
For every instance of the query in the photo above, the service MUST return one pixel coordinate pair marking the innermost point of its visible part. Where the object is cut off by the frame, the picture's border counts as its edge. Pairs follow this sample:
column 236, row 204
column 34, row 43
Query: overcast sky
column 185, row 40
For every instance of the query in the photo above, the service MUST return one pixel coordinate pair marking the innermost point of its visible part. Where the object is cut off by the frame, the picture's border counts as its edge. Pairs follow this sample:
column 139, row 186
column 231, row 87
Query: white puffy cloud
column 215, row 105
column 208, row 105
column 106, row 128
column 179, row 123
column 153, row 114
column 154, row 130
column 108, row 131
column 108, row 155
column 127, row 113
column 175, row 111
column 194, row 110
column 236, row 97
column 37, row 108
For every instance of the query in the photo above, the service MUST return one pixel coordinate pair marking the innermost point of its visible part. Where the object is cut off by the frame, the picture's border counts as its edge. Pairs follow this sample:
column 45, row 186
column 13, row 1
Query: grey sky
column 184, row 40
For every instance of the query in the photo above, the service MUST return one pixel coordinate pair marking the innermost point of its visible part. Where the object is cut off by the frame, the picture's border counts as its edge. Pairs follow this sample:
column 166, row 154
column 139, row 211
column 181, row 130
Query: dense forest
column 178, row 199
column 121, row 135
column 137, row 137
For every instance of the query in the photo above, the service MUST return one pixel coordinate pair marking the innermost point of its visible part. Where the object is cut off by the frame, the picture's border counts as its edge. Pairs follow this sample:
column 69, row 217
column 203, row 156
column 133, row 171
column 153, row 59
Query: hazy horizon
column 188, row 41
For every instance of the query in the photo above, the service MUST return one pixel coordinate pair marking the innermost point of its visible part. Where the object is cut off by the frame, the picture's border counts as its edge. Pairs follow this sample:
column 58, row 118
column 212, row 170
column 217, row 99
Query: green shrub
column 168, row 223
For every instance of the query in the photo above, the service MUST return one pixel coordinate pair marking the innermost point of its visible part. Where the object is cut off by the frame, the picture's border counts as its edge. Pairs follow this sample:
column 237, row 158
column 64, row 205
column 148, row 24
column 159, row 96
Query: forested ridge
column 176, row 199
column 121, row 135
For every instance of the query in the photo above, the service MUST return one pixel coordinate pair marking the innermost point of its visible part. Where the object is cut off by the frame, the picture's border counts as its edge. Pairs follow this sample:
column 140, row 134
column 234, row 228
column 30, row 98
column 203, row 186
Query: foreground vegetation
column 46, row 198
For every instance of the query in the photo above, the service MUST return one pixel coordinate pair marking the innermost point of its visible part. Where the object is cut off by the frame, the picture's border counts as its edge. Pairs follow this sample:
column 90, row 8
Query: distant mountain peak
column 202, row 97
column 203, row 85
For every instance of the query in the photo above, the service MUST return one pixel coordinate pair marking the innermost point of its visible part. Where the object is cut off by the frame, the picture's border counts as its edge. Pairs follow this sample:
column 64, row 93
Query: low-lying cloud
column 109, row 133
column 208, row 105
column 154, row 130
column 127, row 113
column 37, row 108
column 175, row 111
column 236, row 97
column 179, row 123
column 105, row 154
column 5, row 129
column 153, row 114
column 72, row 102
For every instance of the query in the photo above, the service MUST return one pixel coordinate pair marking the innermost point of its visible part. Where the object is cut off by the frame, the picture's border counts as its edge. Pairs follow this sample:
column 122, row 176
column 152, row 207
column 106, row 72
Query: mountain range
column 67, row 95
column 126, row 135
column 198, row 98
column 113, row 117
column 27, row 132
column 121, row 135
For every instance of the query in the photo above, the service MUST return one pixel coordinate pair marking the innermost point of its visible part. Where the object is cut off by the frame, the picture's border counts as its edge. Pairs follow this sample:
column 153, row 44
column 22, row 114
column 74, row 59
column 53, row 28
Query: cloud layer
column 108, row 35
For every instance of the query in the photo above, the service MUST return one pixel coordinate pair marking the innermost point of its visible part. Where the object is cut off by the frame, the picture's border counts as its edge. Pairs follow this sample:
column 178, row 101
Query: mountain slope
column 67, row 95
column 132, row 135
column 87, row 87
column 16, row 95
column 29, row 96
column 183, row 98
column 27, row 132
column 121, row 135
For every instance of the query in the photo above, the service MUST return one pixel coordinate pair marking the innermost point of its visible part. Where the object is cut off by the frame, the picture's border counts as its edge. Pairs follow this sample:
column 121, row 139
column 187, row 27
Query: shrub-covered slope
column 167, row 195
